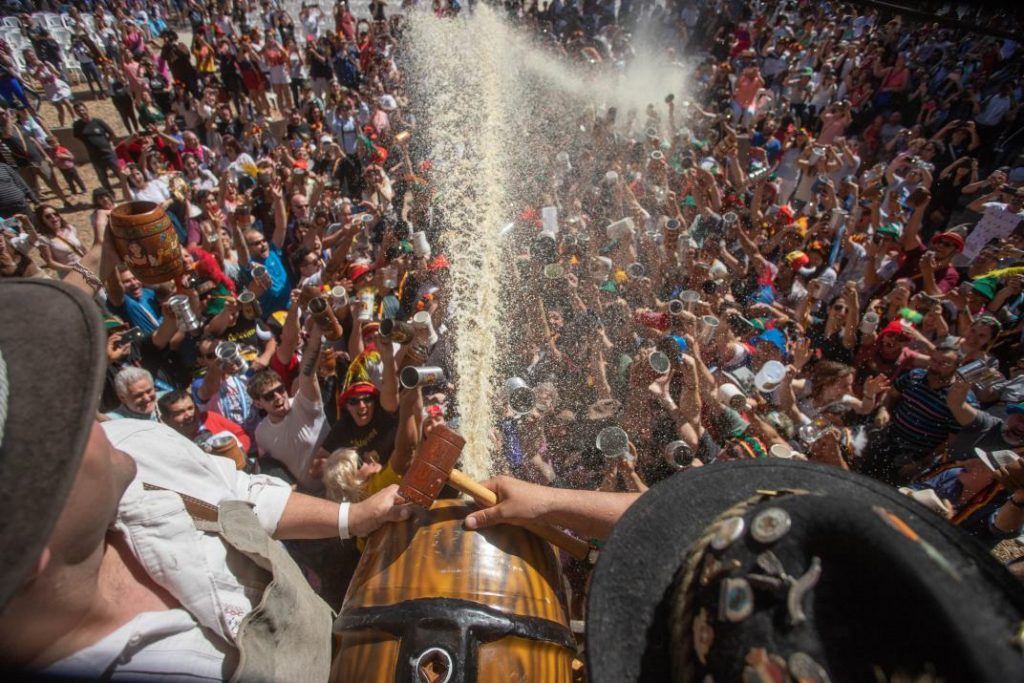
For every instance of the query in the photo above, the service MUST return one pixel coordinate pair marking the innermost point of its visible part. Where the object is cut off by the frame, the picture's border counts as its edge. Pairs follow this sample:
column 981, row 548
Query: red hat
column 951, row 237
column 440, row 262
column 357, row 270
column 528, row 214
column 787, row 211
column 370, row 328
column 358, row 389
column 797, row 259
column 895, row 327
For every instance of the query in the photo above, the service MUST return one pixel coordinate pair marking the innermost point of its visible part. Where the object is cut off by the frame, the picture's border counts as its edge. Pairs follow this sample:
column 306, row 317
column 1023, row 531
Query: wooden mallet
column 434, row 466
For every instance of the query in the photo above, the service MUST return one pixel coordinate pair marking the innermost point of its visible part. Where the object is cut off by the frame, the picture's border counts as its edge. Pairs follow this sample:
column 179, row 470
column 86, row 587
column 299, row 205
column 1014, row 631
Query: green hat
column 730, row 423
column 406, row 247
column 112, row 322
column 807, row 71
column 688, row 200
column 910, row 315
column 986, row 287
column 608, row 286
column 893, row 229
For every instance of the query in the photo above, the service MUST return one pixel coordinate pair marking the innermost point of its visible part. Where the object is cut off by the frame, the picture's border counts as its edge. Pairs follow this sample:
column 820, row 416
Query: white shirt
column 196, row 640
column 156, row 191
column 996, row 223
column 294, row 440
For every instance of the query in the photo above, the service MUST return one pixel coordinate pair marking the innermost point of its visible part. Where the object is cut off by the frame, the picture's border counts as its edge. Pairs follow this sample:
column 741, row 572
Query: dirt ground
column 79, row 217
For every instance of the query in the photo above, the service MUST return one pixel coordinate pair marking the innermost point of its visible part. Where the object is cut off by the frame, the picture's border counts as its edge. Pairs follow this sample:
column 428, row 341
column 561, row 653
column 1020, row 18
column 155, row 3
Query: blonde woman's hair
column 341, row 477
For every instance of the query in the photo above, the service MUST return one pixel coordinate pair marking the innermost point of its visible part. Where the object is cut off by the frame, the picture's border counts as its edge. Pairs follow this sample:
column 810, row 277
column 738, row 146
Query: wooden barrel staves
column 145, row 239
column 431, row 601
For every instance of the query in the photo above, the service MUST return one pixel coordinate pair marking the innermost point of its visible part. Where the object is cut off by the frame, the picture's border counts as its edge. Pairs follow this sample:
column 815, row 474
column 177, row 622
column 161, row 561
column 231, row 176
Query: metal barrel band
column 453, row 625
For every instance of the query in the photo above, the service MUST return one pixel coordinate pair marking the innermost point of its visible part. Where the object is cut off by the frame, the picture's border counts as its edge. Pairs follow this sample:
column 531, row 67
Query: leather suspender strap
column 199, row 510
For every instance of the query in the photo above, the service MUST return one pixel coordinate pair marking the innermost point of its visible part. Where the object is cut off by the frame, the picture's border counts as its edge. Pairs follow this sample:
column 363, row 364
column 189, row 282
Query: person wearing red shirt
column 178, row 411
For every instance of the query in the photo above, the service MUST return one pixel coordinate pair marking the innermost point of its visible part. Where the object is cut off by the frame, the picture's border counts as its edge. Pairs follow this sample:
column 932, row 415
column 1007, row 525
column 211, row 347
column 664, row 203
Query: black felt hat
column 755, row 570
column 52, row 367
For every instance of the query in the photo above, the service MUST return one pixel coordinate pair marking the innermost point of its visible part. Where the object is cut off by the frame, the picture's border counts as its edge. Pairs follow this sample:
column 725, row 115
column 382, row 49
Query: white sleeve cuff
column 343, row 521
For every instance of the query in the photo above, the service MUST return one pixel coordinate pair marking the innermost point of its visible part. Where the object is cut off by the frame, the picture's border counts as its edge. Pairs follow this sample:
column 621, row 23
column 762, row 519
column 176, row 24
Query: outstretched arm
column 592, row 514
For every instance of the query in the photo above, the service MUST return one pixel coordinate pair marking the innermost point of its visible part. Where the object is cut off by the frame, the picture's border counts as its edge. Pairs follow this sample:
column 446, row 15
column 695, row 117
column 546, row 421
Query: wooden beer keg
column 145, row 239
column 431, row 601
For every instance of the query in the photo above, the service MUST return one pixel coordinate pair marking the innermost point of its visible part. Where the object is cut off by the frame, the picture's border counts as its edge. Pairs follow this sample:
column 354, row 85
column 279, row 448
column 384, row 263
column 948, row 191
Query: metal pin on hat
column 763, row 668
column 803, row 669
column 735, row 601
column 713, row 569
column 727, row 532
column 770, row 563
column 797, row 590
column 770, row 525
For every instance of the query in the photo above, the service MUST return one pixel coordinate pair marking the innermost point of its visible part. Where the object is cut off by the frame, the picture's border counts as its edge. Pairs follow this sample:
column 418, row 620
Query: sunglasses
column 271, row 393
column 209, row 356
column 256, row 244
column 358, row 400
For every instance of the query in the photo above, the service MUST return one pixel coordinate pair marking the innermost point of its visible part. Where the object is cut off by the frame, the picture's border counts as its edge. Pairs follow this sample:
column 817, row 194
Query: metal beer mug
column 229, row 355
column 412, row 376
column 188, row 321
column 613, row 443
column 250, row 306
column 521, row 398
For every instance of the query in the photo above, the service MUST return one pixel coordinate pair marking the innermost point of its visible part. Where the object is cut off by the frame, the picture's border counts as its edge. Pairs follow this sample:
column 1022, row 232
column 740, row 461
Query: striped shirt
column 920, row 419
column 14, row 193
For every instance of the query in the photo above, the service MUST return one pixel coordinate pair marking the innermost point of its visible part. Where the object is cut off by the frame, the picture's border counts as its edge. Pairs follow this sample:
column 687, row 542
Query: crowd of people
column 811, row 247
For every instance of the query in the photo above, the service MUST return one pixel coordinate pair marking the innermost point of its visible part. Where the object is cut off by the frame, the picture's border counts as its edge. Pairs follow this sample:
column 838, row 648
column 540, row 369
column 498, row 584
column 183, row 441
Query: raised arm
column 389, row 383
column 956, row 400
column 290, row 330
column 308, row 383
column 410, row 407
column 280, row 217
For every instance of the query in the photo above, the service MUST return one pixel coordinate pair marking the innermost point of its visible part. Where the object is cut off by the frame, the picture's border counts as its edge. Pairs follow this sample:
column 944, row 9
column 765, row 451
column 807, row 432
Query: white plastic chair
column 62, row 36
column 73, row 70
column 12, row 22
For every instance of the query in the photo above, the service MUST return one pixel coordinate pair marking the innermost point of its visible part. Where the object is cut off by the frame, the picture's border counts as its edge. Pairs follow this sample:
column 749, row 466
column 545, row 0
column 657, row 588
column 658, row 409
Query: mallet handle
column 486, row 498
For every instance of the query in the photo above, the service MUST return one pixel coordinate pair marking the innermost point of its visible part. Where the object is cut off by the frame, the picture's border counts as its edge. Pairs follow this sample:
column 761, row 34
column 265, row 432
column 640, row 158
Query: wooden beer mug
column 145, row 238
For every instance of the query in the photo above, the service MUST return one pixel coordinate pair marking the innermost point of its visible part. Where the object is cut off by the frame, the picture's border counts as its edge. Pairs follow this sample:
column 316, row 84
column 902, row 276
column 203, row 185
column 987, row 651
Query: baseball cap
column 893, row 229
column 986, row 287
column 950, row 237
column 42, row 440
column 1015, row 408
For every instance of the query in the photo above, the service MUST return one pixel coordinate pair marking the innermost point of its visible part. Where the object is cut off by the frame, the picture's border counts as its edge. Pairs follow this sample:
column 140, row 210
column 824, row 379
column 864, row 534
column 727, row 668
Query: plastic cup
column 708, row 327
column 869, row 323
